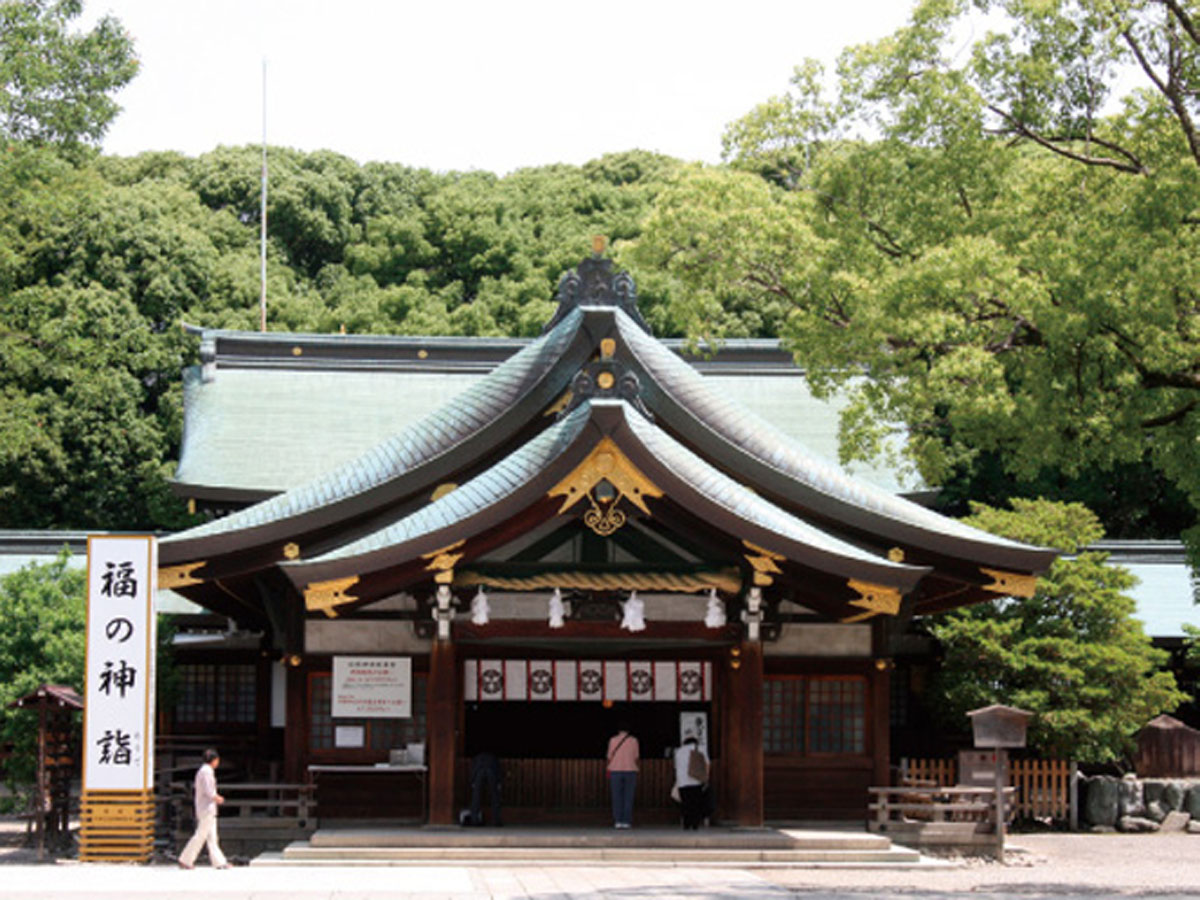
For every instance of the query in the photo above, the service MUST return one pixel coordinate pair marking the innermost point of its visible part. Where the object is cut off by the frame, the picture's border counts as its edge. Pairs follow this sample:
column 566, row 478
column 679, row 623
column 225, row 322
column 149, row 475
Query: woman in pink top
column 622, row 774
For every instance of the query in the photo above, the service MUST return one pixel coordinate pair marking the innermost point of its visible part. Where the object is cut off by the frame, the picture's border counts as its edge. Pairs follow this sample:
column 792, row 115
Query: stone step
column 300, row 853
column 592, row 838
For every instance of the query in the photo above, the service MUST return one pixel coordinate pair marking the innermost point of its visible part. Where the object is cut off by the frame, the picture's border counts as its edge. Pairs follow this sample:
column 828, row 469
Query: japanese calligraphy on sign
column 119, row 693
column 377, row 687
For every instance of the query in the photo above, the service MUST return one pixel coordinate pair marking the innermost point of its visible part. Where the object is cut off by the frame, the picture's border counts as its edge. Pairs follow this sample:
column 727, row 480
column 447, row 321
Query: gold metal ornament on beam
column 606, row 463
column 442, row 561
column 172, row 577
column 291, row 550
column 875, row 598
column 1011, row 584
column 327, row 596
column 763, row 562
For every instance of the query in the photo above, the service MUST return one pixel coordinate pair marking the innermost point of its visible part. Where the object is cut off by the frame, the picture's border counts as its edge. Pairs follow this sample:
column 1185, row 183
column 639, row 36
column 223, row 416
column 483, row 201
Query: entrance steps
column 594, row 846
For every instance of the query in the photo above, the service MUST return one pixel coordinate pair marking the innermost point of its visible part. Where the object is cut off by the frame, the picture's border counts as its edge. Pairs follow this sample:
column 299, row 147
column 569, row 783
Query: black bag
column 698, row 767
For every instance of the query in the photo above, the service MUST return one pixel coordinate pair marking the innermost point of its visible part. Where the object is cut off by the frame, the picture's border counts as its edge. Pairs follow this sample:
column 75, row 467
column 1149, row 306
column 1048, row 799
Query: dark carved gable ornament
column 594, row 283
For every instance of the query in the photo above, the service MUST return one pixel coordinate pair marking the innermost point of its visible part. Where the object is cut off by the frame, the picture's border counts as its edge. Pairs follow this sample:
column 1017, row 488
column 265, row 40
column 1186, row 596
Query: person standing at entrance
column 691, row 775
column 207, row 801
column 485, row 770
column 622, row 774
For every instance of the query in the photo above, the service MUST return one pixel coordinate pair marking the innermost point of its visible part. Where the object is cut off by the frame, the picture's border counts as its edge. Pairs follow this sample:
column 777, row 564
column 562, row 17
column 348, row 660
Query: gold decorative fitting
column 327, row 596
column 291, row 551
column 605, row 380
column 896, row 555
column 1011, row 584
column 442, row 490
column 558, row 405
column 606, row 463
column 763, row 562
column 422, row 354
column 607, row 348
column 179, row 576
column 297, row 351
column 599, row 242
column 441, row 562
column 875, row 598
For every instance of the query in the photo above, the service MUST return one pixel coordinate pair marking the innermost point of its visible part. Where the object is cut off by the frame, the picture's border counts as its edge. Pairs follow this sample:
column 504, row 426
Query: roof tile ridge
column 855, row 490
column 320, row 491
column 546, row 445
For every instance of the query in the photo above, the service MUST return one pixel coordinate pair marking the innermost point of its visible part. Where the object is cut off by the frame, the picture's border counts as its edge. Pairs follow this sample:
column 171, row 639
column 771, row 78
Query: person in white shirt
column 690, row 777
column 207, row 801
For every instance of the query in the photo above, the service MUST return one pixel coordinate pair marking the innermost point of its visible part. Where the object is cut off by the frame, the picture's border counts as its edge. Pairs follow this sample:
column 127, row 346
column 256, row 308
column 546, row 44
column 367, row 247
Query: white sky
column 462, row 84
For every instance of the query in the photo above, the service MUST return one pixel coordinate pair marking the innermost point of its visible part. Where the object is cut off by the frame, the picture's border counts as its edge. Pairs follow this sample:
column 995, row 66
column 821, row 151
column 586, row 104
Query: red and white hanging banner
column 666, row 681
column 541, row 679
column 591, row 680
column 618, row 681
column 566, row 680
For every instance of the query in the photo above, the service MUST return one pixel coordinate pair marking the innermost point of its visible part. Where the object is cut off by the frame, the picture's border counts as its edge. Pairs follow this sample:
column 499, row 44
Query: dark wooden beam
column 441, row 718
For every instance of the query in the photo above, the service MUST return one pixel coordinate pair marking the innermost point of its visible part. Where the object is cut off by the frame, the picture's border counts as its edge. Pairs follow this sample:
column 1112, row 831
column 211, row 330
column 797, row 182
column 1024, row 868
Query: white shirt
column 206, row 791
column 682, row 755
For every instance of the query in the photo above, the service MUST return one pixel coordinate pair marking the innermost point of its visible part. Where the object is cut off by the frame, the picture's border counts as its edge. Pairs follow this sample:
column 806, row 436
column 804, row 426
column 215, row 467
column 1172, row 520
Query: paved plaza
column 1048, row 865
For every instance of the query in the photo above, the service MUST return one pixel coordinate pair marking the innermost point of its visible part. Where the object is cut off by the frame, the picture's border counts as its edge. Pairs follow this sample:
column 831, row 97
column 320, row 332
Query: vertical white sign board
column 118, row 730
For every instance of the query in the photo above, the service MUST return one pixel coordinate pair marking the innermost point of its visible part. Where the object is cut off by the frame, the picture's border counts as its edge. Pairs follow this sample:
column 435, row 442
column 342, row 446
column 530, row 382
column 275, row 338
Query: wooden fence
column 1044, row 786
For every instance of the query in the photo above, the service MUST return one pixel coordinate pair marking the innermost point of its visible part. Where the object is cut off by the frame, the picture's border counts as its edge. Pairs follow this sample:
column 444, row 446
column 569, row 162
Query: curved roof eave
column 753, row 446
column 696, row 484
column 519, row 381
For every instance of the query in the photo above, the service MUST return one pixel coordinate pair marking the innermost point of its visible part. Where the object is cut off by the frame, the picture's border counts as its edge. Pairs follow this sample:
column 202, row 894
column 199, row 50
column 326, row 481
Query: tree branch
column 1170, row 90
column 1170, row 418
column 1023, row 130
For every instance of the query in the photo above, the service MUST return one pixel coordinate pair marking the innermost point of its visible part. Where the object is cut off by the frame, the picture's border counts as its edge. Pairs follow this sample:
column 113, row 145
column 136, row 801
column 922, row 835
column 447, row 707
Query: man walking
column 207, row 801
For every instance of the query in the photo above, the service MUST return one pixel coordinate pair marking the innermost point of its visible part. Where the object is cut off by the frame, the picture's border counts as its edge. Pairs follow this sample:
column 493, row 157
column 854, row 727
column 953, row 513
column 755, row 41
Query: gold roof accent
column 896, row 554
column 605, row 380
column 558, row 405
column 608, row 347
column 727, row 580
column 763, row 562
column 599, row 242
column 442, row 490
column 171, row 577
column 876, row 598
column 1012, row 584
column 327, row 596
column 291, row 550
column 606, row 462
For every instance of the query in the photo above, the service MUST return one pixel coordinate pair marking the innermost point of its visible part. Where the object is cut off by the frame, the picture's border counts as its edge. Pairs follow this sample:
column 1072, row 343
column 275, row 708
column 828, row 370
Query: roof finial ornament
column 599, row 244
column 594, row 283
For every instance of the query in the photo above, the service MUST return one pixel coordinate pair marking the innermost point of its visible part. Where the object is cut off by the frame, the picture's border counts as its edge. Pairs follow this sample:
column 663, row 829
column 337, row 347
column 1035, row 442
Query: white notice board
column 372, row 687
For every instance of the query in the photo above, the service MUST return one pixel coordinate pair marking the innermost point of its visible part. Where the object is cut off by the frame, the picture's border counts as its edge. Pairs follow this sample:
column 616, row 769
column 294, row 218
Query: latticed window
column 378, row 734
column 814, row 715
column 211, row 693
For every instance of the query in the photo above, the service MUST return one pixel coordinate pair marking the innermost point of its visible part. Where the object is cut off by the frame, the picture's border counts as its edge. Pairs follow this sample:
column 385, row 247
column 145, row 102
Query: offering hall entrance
column 549, row 722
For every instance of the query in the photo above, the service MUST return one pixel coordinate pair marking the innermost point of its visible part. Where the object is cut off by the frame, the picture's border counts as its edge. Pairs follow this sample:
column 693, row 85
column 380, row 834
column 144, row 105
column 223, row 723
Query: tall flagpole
column 262, row 240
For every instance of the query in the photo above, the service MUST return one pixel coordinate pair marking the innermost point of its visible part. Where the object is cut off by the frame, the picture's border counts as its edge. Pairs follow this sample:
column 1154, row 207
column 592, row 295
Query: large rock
column 1101, row 804
column 1136, row 825
column 1174, row 793
column 1132, row 798
column 1156, row 810
column 1193, row 827
column 1191, row 803
column 1176, row 822
column 1152, row 790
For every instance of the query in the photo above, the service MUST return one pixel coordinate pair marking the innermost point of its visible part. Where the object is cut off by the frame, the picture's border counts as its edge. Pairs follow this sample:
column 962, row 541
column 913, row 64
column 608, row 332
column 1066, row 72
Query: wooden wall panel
column 816, row 789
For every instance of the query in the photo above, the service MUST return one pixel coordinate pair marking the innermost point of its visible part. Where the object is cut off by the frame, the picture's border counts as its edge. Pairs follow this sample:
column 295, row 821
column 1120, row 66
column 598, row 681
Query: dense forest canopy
column 1005, row 242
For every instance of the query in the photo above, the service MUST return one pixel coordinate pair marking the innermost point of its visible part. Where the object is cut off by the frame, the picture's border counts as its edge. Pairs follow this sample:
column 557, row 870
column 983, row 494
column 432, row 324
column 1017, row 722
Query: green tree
column 42, row 639
column 1072, row 654
column 1010, row 252
column 56, row 86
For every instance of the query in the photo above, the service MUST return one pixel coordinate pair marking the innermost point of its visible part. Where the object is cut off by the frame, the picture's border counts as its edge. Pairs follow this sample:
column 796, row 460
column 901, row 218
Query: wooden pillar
column 296, row 738
column 742, row 738
column 879, row 709
column 441, row 719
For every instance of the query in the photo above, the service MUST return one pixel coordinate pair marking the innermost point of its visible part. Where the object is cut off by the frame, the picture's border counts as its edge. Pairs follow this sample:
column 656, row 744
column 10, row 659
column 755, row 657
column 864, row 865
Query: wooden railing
column 580, row 783
column 1044, row 787
column 252, row 812
column 974, row 807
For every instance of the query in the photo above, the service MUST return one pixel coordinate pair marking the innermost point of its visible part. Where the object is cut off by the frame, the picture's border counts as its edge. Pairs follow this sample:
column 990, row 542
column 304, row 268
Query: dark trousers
column 485, row 776
column 623, row 786
column 692, row 799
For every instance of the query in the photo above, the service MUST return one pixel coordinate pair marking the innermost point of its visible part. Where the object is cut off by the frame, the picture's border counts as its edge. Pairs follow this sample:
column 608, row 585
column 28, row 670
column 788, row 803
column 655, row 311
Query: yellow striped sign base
column 116, row 826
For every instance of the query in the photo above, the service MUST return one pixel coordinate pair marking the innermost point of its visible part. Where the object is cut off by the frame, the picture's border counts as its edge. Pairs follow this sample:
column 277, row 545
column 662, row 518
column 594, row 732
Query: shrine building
column 579, row 529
